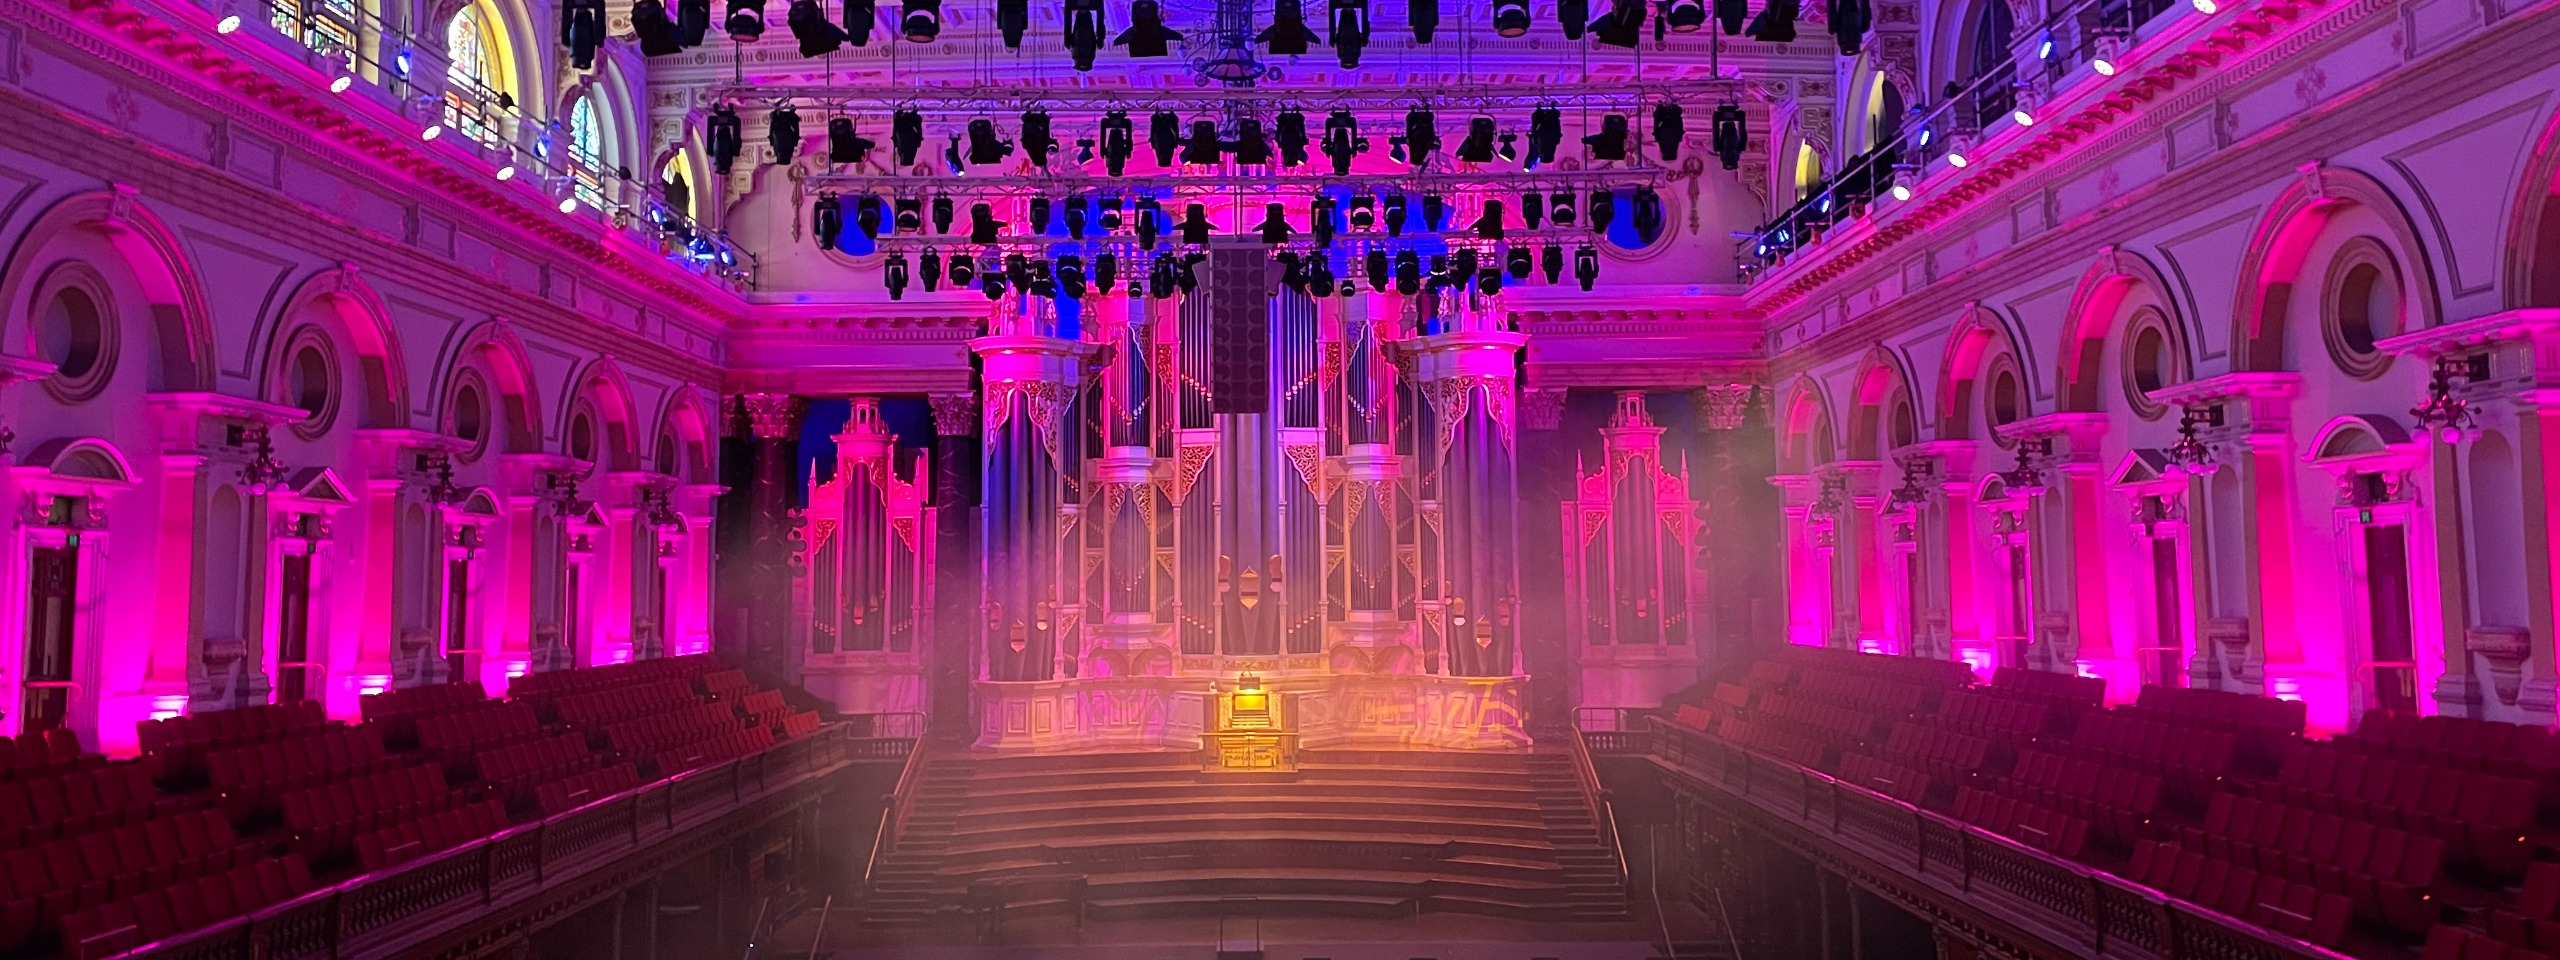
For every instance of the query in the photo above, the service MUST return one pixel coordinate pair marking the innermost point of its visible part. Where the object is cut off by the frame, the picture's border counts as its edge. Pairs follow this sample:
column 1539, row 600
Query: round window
column 2363, row 307
column 2005, row 399
column 469, row 414
column 666, row 456
column 72, row 332
column 310, row 385
column 2149, row 363
column 582, row 437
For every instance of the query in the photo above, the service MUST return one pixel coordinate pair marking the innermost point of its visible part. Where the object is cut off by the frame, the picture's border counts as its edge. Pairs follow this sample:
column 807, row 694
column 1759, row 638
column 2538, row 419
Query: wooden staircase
column 1356, row 833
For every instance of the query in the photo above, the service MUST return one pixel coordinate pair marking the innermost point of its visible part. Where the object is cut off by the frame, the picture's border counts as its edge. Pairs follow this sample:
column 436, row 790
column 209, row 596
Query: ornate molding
column 954, row 414
column 772, row 416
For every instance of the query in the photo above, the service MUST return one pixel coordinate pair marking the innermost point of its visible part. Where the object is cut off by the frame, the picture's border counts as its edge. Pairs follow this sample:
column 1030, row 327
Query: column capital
column 1722, row 406
column 954, row 414
column 1029, row 357
column 1465, row 354
column 772, row 416
column 1541, row 408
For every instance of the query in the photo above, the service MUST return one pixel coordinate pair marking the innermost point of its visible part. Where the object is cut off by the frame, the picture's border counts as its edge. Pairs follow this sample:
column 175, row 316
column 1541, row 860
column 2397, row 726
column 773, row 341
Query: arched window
column 1989, row 65
column 586, row 152
column 675, row 190
column 471, row 83
column 1808, row 170
column 328, row 27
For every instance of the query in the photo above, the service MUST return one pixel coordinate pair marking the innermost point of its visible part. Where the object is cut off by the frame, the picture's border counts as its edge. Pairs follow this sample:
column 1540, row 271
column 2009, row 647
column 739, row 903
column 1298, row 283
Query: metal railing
column 2086, row 910
column 385, row 911
column 893, row 817
column 1596, row 800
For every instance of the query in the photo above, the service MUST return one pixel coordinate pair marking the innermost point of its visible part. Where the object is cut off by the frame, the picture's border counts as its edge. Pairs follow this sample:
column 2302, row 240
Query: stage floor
column 1440, row 936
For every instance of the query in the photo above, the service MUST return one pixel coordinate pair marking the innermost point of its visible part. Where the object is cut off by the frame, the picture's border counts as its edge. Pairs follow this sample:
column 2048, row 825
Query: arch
column 685, row 416
column 602, row 388
column 340, row 295
column 2357, row 438
column 1882, row 386
column 2273, row 267
column 1805, row 440
column 2533, row 229
column 519, row 400
column 180, row 320
column 83, row 459
column 1979, row 337
column 505, row 65
column 2096, row 314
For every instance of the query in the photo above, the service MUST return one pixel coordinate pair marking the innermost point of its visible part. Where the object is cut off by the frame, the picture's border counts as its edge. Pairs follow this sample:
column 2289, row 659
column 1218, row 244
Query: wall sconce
column 1908, row 498
column 1832, row 501
column 2027, row 479
column 263, row 471
column 443, row 492
column 2443, row 415
column 561, row 491
column 658, row 512
column 2191, row 455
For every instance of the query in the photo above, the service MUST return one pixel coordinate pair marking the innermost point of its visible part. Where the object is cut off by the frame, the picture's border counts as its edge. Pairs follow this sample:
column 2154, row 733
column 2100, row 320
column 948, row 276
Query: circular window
column 467, row 417
column 2005, row 399
column 72, row 332
column 582, row 437
column 2362, row 307
column 2150, row 363
column 666, row 456
column 1906, row 426
column 309, row 383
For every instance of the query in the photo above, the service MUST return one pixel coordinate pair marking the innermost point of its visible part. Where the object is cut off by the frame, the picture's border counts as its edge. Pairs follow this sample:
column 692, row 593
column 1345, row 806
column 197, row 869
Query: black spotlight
column 992, row 283
column 1013, row 19
column 1586, row 266
column 1319, row 275
column 818, row 35
column 983, row 226
column 1119, row 137
column 1111, row 216
column 910, row 217
column 1510, row 17
column 1775, row 24
column 1085, row 27
column 1071, row 276
column 1160, row 278
column 1533, row 208
column 1519, row 262
column 1188, row 275
column 1622, row 26
column 1560, row 208
column 827, row 220
column 1147, row 35
column 1375, row 267
column 1250, row 148
column 1603, row 207
column 920, row 20
column 964, row 268
column 1732, row 135
column 782, row 133
column 1288, row 35
column 984, row 146
column 656, row 30
column 1488, row 281
column 1150, row 218
column 906, row 135
column 1551, row 261
column 1478, row 146
column 1644, row 212
column 952, row 158
column 866, row 215
column 1408, row 272
column 1106, row 271
column 1421, row 134
column 1670, row 126
column 843, row 144
column 1292, row 138
column 1572, row 15
column 1488, row 225
column 894, row 275
column 1364, row 212
column 1686, row 16
column 693, row 22
column 1341, row 140
column 723, row 137
column 942, row 214
column 745, row 22
column 1196, row 226
column 1350, row 31
column 1424, row 15
column 1164, row 136
column 1849, row 21
column 1397, row 206
column 1037, row 144
column 1320, row 221
column 1546, row 132
column 929, row 269
column 1435, row 213
column 1275, row 225
column 859, row 17
column 1075, row 218
column 1611, row 142
column 1035, row 215
column 1203, row 148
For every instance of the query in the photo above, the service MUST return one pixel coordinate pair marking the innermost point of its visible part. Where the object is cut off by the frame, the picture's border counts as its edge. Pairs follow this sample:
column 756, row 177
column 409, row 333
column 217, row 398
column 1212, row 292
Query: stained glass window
column 470, row 94
column 586, row 152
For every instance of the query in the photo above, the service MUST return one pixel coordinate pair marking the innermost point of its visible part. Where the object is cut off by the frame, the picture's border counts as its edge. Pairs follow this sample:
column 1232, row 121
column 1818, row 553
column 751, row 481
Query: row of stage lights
column 1242, row 140
column 1327, row 218
column 1310, row 273
column 665, row 30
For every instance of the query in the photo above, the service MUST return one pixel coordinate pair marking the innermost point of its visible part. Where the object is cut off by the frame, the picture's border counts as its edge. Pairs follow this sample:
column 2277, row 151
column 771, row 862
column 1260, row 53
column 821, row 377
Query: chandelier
column 263, row 471
column 2191, row 455
column 2442, row 414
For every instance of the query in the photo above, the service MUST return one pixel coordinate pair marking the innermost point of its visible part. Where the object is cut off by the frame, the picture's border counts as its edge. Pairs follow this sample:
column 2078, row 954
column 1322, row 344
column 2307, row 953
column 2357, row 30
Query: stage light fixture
column 2023, row 116
column 1488, row 282
column 1732, row 135
column 983, row 226
column 1573, row 16
column 1195, row 225
column 1546, row 133
column 1644, row 212
column 920, row 21
column 817, row 34
column 782, row 133
column 1084, row 150
column 910, row 217
column 859, row 17
column 1848, row 21
column 1320, row 279
column 952, row 158
column 1320, row 220
column 1775, row 24
column 1341, row 140
column 1621, row 26
column 1187, row 271
column 1533, row 208
column 1519, row 262
column 1729, row 16
column 1611, row 142
column 1075, row 218
column 1037, row 143
column 929, row 269
column 1478, row 146
column 1150, row 217
column 991, row 283
column 964, row 268
column 1511, row 18
column 2206, row 7
column 1044, row 279
column 1395, row 149
column 582, row 30
column 843, row 144
column 1203, row 148
column 723, row 138
column 1685, row 16
column 228, row 25
column 1510, row 150
column 1435, row 213
column 2044, row 44
column 1586, row 266
column 1350, row 31
column 1551, row 261
column 1119, row 138
column 1670, row 126
column 693, row 22
column 1424, row 17
column 1111, row 215
column 1397, row 210
column 568, row 204
column 1013, row 19
column 1560, row 208
column 1160, row 277
column 1164, row 136
column 1601, row 208
column 745, row 22
column 433, row 130
column 1374, row 266
column 1287, row 36
column 1488, row 225
column 866, row 215
column 827, row 220
column 1293, row 271
column 906, row 135
column 1035, row 215
column 1421, row 134
column 1408, row 272
column 985, row 147
column 942, row 214
column 1147, row 35
column 1904, row 177
column 1106, row 271
column 1291, row 138
column 656, row 30
column 893, row 275
column 1085, row 26
column 1250, row 148
column 506, row 172
column 1460, row 266
column 1364, row 212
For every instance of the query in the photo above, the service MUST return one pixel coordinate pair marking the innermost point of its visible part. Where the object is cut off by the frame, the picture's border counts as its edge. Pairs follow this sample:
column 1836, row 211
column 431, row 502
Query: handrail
column 2071, row 905
column 1595, row 799
column 384, row 911
column 893, row 816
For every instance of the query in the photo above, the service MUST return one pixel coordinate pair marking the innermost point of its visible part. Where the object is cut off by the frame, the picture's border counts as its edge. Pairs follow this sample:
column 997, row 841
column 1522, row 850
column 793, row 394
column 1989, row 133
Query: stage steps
column 1349, row 833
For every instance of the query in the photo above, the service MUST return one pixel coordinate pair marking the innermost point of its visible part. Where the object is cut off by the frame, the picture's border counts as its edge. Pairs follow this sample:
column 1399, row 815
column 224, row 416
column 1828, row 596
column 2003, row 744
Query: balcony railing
column 2090, row 912
column 380, row 913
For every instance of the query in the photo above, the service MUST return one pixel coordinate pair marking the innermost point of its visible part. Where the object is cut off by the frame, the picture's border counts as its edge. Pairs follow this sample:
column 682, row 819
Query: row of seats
column 397, row 711
column 2295, row 909
column 42, row 753
column 1776, row 740
column 44, row 808
column 250, row 779
column 2525, row 751
column 713, row 749
column 1885, row 777
column 435, row 832
column 454, row 738
column 646, row 735
column 578, row 789
column 325, row 820
column 513, row 770
column 2532, row 921
column 2483, row 818
column 616, row 704
column 1881, row 695
column 2062, row 690
column 153, row 916
column 2389, row 875
column 1842, row 725
column 2190, row 762
column 541, row 686
column 174, row 748
column 2051, row 831
column 2450, row 942
column 799, row 724
column 727, row 684
column 2120, row 803
column 1984, row 714
column 1945, row 755
column 2267, row 728
column 64, row 876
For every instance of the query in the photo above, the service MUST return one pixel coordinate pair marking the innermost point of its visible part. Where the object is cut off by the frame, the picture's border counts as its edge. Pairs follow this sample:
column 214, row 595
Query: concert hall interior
column 1279, row 479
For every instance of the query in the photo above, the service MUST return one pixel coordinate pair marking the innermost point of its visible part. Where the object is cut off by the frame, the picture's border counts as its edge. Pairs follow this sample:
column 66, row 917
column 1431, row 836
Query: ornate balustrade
column 2074, row 909
column 389, row 911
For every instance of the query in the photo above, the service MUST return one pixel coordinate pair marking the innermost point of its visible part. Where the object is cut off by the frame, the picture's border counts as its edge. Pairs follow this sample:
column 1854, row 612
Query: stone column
column 762, row 589
column 1546, row 484
column 952, row 662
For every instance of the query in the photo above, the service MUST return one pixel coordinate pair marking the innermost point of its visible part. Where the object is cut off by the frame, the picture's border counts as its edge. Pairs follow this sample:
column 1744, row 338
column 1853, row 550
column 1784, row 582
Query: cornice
column 298, row 114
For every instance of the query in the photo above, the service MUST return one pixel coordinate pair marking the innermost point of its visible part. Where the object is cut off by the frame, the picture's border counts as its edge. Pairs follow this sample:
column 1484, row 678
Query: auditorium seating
column 2064, row 691
column 251, row 779
column 1886, row 777
column 2265, row 729
column 174, row 749
column 456, row 739
column 2483, row 818
column 2388, row 875
column 513, row 771
column 2523, row 751
column 396, row 712
column 2450, row 942
column 2121, row 804
column 575, row 790
column 2051, row 831
column 442, row 830
column 713, row 749
column 2532, row 921
column 325, row 820
column 2192, row 763
column 123, row 924
column 2288, row 906
column 41, row 808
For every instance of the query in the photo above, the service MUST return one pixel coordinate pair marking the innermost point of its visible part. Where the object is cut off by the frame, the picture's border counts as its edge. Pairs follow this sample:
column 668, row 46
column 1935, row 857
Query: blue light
column 400, row 63
column 2044, row 48
column 1826, row 204
column 1761, row 250
column 1924, row 136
